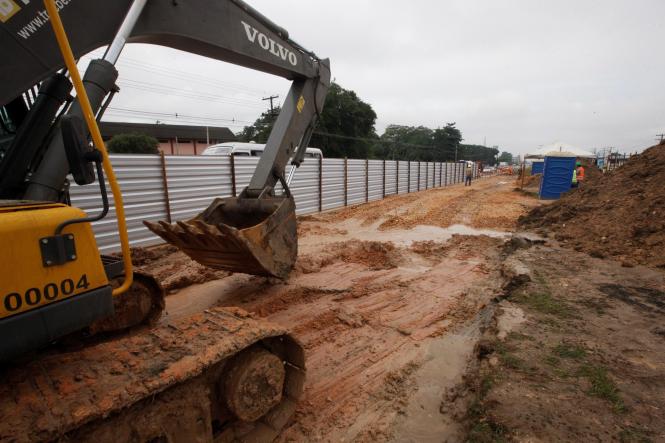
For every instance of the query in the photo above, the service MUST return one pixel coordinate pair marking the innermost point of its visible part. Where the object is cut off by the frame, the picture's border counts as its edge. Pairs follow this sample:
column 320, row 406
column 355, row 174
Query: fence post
column 366, row 180
column 408, row 177
column 426, row 175
column 397, row 177
column 346, row 181
column 418, row 175
column 233, row 176
column 165, row 183
column 440, row 171
column 320, row 183
column 384, row 179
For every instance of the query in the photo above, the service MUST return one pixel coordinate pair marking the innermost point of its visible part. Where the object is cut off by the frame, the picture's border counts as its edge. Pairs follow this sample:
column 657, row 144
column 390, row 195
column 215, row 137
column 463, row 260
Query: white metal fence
column 178, row 187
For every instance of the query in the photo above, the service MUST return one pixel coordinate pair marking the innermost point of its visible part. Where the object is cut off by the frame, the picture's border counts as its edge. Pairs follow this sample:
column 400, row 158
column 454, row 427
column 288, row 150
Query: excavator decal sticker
column 7, row 9
column 268, row 44
column 301, row 104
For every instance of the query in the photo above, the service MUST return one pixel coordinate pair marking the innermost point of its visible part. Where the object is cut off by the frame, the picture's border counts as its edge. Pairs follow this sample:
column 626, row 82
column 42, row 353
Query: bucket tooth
column 253, row 236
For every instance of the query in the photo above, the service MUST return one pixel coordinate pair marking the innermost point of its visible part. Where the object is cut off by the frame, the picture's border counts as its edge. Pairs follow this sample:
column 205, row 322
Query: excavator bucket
column 253, row 236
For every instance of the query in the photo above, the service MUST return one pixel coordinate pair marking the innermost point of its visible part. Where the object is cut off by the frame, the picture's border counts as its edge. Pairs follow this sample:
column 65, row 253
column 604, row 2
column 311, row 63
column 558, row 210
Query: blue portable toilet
column 537, row 167
column 557, row 177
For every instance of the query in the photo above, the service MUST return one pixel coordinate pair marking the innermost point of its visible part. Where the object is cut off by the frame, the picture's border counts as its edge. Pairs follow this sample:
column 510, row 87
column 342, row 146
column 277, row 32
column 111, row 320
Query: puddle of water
column 401, row 237
column 429, row 416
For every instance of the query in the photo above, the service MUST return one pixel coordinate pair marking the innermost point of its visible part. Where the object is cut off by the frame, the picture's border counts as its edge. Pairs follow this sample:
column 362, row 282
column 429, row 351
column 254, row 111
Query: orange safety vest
column 580, row 173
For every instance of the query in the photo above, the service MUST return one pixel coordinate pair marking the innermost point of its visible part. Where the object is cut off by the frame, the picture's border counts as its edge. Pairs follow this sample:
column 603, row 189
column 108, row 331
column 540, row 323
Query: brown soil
column 389, row 317
column 171, row 268
column 619, row 215
column 370, row 314
column 487, row 204
column 372, row 254
column 577, row 354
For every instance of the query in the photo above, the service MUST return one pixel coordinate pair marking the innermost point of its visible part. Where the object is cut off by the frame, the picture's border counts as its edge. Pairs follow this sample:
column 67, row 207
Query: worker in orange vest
column 580, row 172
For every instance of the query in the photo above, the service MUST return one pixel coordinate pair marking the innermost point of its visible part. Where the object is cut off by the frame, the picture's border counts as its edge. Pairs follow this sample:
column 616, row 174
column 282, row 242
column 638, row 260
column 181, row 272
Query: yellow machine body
column 27, row 284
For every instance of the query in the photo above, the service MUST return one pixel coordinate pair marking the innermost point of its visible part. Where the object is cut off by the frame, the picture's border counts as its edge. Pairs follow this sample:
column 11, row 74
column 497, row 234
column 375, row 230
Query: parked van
column 238, row 149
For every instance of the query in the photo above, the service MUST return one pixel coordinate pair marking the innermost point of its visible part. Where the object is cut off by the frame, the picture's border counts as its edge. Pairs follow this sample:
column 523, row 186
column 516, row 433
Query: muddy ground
column 400, row 304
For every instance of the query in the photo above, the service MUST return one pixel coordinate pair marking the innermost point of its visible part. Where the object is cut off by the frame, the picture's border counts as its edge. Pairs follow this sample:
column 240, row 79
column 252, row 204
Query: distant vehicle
column 238, row 149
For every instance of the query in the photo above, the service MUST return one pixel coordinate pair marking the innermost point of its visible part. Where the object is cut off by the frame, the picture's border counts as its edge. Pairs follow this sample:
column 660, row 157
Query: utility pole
column 271, row 98
column 662, row 137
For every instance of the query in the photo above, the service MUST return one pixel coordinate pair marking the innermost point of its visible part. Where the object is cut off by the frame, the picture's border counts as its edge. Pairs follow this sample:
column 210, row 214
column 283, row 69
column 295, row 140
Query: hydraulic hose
column 68, row 56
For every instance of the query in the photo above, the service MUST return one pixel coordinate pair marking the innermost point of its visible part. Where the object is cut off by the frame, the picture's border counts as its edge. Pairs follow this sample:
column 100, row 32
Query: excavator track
column 142, row 304
column 219, row 375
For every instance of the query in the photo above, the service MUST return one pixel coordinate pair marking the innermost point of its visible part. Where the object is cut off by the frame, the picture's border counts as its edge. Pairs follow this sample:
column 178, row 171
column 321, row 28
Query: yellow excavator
column 83, row 354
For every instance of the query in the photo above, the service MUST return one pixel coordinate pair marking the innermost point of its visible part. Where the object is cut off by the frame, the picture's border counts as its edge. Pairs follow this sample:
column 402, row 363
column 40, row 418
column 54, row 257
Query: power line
column 175, row 121
column 176, row 115
column 373, row 140
column 179, row 74
column 195, row 95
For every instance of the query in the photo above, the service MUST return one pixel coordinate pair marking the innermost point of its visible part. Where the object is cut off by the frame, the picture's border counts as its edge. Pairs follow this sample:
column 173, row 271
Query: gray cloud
column 520, row 73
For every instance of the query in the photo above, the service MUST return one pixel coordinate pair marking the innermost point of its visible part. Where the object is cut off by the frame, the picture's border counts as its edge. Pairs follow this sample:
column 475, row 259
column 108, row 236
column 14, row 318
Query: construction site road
column 429, row 317
column 387, row 299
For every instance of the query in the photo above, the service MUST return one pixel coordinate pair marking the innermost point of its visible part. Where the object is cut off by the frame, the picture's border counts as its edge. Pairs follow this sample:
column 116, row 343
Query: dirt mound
column 530, row 181
column 372, row 254
column 172, row 268
column 592, row 173
column 620, row 214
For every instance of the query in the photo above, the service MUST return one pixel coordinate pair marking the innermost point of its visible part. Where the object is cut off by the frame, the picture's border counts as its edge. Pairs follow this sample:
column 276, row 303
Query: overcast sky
column 517, row 73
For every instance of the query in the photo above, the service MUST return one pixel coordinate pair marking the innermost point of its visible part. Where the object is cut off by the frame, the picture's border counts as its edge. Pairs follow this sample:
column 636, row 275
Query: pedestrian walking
column 469, row 174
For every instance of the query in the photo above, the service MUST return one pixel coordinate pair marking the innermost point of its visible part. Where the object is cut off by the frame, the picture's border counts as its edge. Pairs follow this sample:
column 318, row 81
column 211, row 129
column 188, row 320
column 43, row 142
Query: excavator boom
column 219, row 375
column 229, row 30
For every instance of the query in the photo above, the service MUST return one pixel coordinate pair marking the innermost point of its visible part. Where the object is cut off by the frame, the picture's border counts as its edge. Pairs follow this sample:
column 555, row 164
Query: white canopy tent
column 560, row 149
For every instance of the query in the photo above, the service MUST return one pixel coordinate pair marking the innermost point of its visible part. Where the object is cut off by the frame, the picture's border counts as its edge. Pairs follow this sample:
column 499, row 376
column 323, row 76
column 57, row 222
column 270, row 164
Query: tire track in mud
column 370, row 313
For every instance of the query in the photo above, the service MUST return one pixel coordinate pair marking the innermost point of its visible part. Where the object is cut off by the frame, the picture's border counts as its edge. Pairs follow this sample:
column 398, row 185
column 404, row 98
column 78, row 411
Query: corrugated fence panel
column 333, row 183
column 391, row 177
column 305, row 187
column 403, row 177
column 194, row 183
column 245, row 167
column 356, row 181
column 140, row 180
column 375, row 168
column 414, row 176
column 420, row 175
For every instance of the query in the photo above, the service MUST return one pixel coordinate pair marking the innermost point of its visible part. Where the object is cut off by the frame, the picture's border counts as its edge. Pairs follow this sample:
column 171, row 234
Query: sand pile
column 620, row 214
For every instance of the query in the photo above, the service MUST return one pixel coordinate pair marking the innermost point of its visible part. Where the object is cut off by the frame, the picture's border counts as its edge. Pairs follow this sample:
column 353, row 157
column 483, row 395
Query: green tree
column 260, row 130
column 346, row 126
column 133, row 143
column 447, row 140
column 480, row 153
column 399, row 142
column 345, row 119
column 420, row 143
column 506, row 157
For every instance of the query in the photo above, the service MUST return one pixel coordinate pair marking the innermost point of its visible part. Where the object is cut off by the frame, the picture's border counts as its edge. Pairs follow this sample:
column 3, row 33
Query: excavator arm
column 254, row 233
